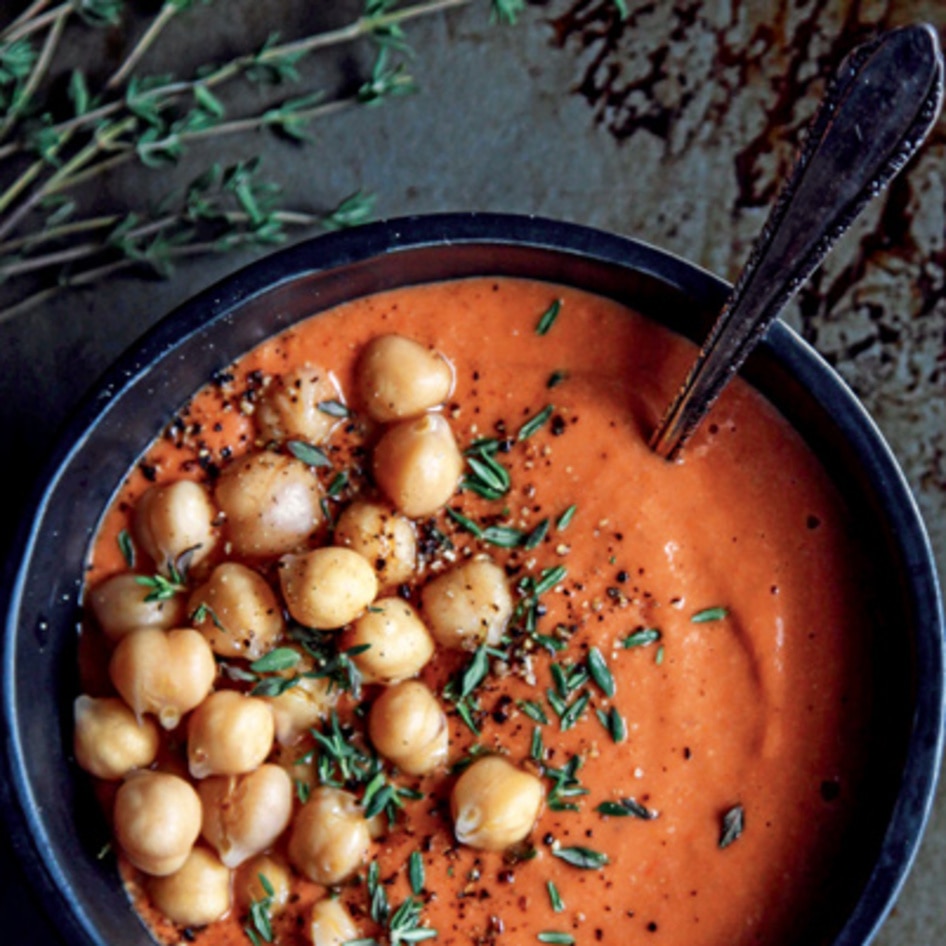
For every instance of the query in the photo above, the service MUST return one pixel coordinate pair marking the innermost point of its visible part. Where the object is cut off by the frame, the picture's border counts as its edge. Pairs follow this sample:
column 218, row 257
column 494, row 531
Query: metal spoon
column 875, row 114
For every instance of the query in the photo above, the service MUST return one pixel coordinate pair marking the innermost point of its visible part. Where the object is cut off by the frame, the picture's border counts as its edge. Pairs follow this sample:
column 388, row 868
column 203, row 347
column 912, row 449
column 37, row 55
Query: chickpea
column 468, row 605
column 271, row 503
column 327, row 587
column 330, row 923
column 383, row 537
column 289, row 408
column 298, row 709
column 329, row 839
column 398, row 643
column 494, row 804
column 417, row 465
column 119, row 605
column 174, row 521
column 229, row 734
column 197, row 893
column 167, row 673
column 157, row 820
column 399, row 378
column 243, row 815
column 409, row 727
column 237, row 611
column 108, row 740
column 248, row 888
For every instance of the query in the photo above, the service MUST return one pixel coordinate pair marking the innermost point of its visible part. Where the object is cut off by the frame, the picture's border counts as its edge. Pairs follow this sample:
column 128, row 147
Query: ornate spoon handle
column 880, row 106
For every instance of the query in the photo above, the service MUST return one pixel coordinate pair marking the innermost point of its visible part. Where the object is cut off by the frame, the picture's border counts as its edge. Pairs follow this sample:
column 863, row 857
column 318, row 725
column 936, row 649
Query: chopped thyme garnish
column 583, row 857
column 734, row 823
column 556, row 937
column 555, row 898
column 614, row 723
column 564, row 520
column 624, row 808
column 709, row 614
column 548, row 317
column 600, row 672
column 309, row 454
column 163, row 588
column 487, row 477
column 537, row 747
column 260, row 916
column 282, row 658
column 334, row 408
column 533, row 710
column 641, row 638
column 535, row 537
column 565, row 784
column 339, row 482
column 556, row 378
column 126, row 547
column 535, row 424
column 415, row 872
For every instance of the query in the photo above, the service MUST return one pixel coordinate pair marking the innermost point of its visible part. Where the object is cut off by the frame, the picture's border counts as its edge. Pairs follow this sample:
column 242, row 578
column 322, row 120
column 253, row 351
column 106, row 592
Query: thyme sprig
column 54, row 147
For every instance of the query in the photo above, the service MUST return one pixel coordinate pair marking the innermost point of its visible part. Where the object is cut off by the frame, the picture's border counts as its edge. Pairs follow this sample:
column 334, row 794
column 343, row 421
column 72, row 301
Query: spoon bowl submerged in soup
column 638, row 694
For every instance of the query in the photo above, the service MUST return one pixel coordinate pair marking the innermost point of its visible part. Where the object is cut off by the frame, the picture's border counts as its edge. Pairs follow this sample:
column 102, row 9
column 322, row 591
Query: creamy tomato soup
column 681, row 673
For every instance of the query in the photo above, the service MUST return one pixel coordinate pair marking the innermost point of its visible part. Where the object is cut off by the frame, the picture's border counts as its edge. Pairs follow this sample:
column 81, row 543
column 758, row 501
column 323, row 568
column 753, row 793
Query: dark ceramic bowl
column 55, row 824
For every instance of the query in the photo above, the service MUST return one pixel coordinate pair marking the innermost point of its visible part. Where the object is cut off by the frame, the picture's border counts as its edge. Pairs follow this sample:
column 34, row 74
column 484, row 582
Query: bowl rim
column 323, row 253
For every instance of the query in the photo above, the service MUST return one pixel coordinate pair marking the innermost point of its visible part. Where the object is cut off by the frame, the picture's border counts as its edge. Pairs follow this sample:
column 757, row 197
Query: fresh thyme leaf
column 625, row 807
column 659, row 656
column 641, row 638
column 733, row 825
column 614, row 723
column 282, row 658
column 274, row 686
column 534, row 424
column 334, row 408
column 505, row 537
column 556, row 378
column 260, row 928
column 533, row 710
column 583, row 857
column 162, row 588
column 709, row 614
column 600, row 672
column 464, row 522
column 548, row 317
column 571, row 715
column 536, row 748
column 555, row 898
column 553, row 936
column 564, row 520
column 338, row 484
column 489, row 477
column 475, row 673
column 126, row 547
column 535, row 537
column 308, row 453
column 415, row 872
column 549, row 578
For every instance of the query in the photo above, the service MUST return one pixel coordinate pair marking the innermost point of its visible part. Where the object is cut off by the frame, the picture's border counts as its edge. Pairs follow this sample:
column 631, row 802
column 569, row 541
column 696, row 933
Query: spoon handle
column 875, row 114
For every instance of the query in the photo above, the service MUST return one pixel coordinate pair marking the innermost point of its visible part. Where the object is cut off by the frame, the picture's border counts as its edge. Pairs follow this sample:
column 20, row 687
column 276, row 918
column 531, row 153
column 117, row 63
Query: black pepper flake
column 149, row 472
column 558, row 425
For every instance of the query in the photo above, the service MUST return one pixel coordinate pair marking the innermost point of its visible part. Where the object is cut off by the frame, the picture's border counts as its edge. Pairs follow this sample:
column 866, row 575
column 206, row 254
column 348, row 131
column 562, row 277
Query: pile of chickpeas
column 206, row 823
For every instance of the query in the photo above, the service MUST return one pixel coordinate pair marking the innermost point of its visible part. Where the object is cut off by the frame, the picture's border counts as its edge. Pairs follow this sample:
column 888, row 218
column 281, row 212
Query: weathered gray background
column 673, row 126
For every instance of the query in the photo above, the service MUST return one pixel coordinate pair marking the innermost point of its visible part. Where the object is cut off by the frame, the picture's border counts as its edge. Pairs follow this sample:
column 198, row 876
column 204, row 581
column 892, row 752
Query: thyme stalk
column 51, row 154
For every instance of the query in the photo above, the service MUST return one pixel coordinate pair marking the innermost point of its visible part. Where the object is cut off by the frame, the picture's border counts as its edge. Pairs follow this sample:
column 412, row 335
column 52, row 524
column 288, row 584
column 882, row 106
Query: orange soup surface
column 685, row 669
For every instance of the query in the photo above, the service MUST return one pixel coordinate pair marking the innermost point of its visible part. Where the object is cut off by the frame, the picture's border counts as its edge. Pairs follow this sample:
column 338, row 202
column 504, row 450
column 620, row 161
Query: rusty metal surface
column 674, row 126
